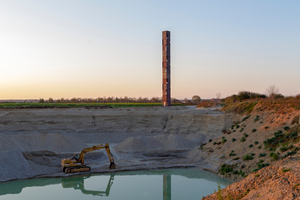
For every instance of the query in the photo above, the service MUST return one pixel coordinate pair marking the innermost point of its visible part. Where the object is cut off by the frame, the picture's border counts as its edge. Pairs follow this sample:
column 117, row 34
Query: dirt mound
column 152, row 143
column 38, row 142
column 278, row 181
column 14, row 165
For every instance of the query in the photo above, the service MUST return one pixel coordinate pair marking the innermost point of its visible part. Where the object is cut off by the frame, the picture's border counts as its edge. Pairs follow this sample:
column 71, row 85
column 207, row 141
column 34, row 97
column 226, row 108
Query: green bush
column 225, row 168
column 294, row 135
column 290, row 153
column 260, row 165
column 233, row 139
column 262, row 155
column 237, row 126
column 248, row 157
column 215, row 143
column 236, row 158
column 224, row 140
column 245, row 118
column 234, row 130
column 286, row 128
column 286, row 147
column 232, row 154
column 253, row 130
column 243, row 139
column 256, row 118
column 275, row 156
column 242, row 173
column 286, row 170
column 266, row 127
column 251, row 145
column 246, row 135
column 235, row 172
column 256, row 142
column 259, row 147
column 279, row 137
column 241, row 130
column 281, row 140
column 209, row 140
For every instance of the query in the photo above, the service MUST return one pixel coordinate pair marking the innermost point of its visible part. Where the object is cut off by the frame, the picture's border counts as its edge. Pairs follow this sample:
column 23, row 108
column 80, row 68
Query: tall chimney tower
column 166, row 60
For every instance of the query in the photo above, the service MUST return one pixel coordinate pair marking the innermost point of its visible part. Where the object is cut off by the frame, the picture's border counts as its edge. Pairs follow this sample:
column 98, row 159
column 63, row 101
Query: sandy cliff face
column 141, row 121
column 278, row 181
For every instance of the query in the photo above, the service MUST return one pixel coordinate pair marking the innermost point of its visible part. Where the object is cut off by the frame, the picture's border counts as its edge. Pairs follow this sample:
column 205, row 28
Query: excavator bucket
column 112, row 165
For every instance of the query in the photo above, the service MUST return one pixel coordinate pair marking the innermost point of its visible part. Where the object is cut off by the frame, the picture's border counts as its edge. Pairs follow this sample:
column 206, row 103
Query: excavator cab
column 76, row 156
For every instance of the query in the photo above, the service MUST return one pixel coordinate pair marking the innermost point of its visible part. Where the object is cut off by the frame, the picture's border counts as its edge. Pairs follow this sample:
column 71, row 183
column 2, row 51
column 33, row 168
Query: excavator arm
column 94, row 148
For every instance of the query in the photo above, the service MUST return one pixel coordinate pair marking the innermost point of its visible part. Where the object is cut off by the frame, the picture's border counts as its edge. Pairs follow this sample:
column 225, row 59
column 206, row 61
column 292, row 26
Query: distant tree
column 109, row 100
column 196, row 99
column 50, row 100
column 272, row 91
column 41, row 100
column 218, row 95
column 140, row 100
column 73, row 100
column 125, row 99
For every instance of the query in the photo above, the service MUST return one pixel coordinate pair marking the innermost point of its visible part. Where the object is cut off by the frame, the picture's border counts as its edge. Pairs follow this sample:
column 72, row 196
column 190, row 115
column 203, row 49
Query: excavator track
column 77, row 169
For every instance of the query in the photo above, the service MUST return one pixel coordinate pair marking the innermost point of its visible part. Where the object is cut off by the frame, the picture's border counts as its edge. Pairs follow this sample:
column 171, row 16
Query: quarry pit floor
column 33, row 141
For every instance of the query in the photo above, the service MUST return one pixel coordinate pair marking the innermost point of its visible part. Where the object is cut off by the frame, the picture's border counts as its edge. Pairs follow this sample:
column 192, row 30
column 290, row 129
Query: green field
column 77, row 105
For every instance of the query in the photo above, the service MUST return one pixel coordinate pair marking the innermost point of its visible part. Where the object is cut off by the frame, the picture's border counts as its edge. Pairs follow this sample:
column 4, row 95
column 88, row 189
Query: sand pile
column 14, row 165
column 152, row 143
column 38, row 142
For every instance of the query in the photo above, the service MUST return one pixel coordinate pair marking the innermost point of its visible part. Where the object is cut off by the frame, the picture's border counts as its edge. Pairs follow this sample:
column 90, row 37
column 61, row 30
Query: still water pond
column 159, row 184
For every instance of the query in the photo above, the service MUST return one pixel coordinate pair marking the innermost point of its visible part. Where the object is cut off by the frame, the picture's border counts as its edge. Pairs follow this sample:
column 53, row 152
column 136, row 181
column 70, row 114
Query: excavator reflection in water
column 78, row 184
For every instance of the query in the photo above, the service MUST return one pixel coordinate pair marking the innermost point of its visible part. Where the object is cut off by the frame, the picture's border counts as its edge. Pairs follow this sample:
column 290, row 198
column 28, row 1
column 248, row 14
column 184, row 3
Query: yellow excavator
column 76, row 163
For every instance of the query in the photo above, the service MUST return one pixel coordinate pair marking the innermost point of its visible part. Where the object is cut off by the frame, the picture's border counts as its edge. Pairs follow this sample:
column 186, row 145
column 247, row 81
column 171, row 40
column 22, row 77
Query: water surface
column 175, row 184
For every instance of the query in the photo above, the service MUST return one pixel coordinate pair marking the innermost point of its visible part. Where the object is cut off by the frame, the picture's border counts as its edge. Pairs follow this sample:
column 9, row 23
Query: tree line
column 108, row 100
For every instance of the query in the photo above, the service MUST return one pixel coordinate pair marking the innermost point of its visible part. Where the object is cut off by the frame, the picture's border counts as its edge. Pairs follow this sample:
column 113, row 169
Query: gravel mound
column 14, row 165
column 152, row 143
column 38, row 142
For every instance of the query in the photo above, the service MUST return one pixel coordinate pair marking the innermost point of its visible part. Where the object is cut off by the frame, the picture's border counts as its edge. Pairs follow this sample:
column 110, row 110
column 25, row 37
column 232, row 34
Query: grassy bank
column 76, row 105
column 282, row 105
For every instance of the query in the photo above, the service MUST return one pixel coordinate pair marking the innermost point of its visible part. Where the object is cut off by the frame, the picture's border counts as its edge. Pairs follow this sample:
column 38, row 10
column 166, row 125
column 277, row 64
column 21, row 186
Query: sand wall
column 132, row 121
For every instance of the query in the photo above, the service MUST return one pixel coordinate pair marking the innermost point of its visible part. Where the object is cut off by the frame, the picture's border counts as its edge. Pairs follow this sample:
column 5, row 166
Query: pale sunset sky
column 96, row 48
